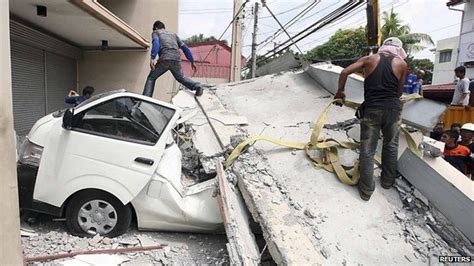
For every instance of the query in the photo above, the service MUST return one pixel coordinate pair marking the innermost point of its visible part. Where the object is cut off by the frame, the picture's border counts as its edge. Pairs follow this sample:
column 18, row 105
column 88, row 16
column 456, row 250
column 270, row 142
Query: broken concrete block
column 310, row 214
column 325, row 252
column 420, row 196
column 95, row 240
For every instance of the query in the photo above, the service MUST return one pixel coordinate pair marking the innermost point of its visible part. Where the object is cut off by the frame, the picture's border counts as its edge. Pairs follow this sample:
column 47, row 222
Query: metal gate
column 43, row 71
column 60, row 78
column 28, row 85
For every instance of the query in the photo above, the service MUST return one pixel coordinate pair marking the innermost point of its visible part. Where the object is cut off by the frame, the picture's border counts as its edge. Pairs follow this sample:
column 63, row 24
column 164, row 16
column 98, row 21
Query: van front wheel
column 95, row 212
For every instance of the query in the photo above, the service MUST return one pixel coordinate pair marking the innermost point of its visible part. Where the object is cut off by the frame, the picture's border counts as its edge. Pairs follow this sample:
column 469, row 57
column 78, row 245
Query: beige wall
column 444, row 72
column 10, row 246
column 111, row 70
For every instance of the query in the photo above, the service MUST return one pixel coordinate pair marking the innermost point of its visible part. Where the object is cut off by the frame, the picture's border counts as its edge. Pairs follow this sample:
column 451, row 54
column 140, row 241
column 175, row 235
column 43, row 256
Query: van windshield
column 99, row 96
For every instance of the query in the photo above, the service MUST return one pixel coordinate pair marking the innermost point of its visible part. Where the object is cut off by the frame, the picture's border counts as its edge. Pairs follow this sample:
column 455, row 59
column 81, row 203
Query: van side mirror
column 68, row 118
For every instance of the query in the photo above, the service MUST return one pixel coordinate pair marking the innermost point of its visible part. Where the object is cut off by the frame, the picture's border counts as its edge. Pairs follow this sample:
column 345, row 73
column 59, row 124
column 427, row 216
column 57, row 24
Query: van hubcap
column 97, row 217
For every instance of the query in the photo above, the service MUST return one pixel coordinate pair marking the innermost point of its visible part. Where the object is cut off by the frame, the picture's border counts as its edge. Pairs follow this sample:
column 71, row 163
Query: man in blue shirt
column 74, row 98
column 166, row 45
column 413, row 82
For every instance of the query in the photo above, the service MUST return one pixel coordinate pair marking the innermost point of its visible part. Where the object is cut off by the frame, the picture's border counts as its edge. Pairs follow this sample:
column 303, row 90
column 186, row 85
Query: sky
column 211, row 17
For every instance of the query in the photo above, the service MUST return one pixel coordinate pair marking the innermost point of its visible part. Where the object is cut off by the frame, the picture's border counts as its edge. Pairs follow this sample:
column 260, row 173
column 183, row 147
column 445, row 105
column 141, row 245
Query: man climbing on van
column 166, row 45
column 385, row 74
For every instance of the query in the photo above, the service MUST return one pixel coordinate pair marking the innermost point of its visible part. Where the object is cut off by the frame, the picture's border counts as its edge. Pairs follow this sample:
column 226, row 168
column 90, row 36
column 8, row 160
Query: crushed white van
column 111, row 158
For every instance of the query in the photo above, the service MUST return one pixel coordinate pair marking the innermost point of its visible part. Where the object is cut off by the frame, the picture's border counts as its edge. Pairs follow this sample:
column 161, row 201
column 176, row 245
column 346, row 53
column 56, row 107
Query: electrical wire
column 330, row 18
column 291, row 22
column 281, row 26
column 287, row 11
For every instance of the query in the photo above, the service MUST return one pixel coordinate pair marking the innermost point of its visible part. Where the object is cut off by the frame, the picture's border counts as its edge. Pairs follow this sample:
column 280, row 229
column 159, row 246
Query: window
column 127, row 119
column 445, row 56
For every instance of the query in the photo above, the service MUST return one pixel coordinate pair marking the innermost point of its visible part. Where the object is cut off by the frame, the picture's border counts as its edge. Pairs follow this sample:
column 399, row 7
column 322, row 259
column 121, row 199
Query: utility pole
column 236, row 43
column 254, row 41
column 10, row 247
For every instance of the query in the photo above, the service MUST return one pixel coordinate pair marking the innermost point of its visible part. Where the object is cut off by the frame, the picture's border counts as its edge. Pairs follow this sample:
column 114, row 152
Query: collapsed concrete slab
column 288, row 242
column 274, row 180
column 242, row 247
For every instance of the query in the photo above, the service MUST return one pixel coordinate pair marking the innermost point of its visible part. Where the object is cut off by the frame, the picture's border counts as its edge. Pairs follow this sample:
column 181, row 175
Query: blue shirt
column 75, row 99
column 412, row 85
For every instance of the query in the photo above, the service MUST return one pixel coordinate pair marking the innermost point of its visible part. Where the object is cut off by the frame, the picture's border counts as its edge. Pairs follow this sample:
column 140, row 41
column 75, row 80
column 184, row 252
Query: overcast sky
column 211, row 17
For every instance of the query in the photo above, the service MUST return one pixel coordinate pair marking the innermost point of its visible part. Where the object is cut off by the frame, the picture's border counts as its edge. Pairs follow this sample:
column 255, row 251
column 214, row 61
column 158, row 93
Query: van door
column 114, row 146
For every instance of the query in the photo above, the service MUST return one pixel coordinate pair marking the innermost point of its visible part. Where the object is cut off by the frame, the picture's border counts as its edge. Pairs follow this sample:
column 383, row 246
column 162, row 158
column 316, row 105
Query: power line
column 330, row 18
column 276, row 19
column 287, row 11
column 291, row 22
column 232, row 21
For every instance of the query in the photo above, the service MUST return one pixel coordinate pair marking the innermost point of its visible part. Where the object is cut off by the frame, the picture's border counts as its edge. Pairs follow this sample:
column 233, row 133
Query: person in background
column 420, row 75
column 74, row 98
column 467, row 140
column 166, row 45
column 410, row 83
column 467, row 136
column 455, row 154
column 461, row 91
column 438, row 131
column 456, row 127
column 385, row 74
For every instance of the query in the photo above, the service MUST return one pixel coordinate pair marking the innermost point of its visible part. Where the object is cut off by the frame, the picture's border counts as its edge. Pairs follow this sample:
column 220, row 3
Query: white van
column 111, row 158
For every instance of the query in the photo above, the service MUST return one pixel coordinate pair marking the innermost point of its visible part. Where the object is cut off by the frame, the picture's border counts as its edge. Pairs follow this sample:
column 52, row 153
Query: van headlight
column 30, row 153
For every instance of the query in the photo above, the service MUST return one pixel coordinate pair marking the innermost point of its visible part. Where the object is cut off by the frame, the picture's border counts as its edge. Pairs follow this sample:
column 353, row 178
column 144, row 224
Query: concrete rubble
column 51, row 238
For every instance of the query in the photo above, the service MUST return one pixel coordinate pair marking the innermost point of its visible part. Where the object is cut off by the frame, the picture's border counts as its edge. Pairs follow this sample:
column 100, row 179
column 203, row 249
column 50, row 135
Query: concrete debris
column 52, row 239
column 420, row 197
column 131, row 241
column 408, row 258
column 146, row 241
column 309, row 213
column 325, row 252
column 344, row 125
column 107, row 241
column 426, row 229
column 95, row 240
column 400, row 215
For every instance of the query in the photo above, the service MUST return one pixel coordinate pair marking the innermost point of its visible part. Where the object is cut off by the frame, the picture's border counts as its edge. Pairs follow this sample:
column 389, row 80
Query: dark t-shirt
column 381, row 87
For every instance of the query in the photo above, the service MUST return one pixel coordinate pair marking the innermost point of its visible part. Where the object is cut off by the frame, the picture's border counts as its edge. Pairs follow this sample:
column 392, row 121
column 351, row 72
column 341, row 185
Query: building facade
column 466, row 37
column 445, row 60
column 59, row 45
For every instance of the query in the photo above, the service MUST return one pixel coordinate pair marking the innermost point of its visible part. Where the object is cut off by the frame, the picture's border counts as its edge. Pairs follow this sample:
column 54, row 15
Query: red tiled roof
column 439, row 87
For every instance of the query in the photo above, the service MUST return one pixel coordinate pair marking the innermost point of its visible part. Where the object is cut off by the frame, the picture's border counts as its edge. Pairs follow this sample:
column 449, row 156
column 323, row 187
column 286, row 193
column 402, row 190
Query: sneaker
column 363, row 195
column 386, row 186
column 199, row 91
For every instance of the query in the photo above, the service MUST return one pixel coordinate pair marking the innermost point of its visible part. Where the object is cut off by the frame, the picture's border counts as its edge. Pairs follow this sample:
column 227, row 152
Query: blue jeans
column 160, row 68
column 375, row 120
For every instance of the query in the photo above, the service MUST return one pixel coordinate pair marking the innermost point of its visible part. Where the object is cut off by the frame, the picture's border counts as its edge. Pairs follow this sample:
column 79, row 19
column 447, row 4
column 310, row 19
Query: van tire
column 121, row 214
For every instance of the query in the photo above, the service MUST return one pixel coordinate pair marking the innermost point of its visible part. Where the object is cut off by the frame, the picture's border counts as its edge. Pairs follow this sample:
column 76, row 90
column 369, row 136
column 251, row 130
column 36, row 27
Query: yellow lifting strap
column 327, row 147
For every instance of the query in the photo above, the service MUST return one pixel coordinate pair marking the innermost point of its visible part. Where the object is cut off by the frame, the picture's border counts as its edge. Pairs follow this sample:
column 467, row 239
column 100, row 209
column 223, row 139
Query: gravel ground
column 51, row 237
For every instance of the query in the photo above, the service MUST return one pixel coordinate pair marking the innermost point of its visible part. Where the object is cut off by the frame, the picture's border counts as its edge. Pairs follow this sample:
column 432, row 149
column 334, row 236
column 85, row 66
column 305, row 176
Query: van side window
column 127, row 119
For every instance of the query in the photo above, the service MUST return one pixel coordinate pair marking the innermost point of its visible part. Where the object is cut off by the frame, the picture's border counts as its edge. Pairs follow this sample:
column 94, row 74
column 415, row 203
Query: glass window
column 445, row 56
column 126, row 119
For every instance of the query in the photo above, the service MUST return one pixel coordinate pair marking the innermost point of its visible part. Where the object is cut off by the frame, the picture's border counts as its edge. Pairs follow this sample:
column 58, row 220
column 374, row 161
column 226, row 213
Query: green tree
column 393, row 27
column 197, row 38
column 343, row 48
